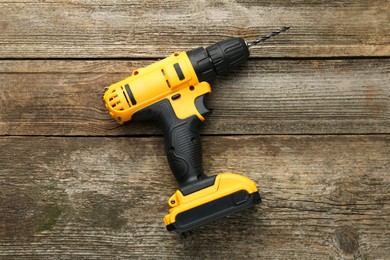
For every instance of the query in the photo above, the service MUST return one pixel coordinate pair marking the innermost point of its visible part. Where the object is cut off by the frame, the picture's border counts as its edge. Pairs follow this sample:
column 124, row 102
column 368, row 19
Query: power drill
column 172, row 92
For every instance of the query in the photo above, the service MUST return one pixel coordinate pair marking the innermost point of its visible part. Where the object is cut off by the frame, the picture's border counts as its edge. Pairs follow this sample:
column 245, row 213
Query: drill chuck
column 218, row 58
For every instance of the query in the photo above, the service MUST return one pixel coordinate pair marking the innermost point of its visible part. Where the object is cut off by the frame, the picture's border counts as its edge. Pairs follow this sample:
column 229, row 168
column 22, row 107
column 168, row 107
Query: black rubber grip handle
column 182, row 141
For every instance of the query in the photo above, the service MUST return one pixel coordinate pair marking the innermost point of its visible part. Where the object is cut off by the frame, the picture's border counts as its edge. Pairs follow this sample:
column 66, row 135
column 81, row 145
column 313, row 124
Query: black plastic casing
column 182, row 144
column 218, row 58
column 214, row 210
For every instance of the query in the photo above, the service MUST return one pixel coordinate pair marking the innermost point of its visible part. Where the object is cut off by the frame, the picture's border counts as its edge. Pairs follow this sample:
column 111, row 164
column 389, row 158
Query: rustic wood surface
column 120, row 28
column 323, row 197
column 307, row 118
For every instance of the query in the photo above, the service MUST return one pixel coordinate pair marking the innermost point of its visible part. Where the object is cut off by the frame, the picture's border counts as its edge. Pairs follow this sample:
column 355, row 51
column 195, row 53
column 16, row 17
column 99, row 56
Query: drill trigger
column 200, row 104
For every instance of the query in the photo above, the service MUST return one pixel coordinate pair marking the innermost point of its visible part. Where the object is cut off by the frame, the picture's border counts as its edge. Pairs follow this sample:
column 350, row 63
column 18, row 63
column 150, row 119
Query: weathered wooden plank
column 133, row 29
column 62, row 97
column 324, row 197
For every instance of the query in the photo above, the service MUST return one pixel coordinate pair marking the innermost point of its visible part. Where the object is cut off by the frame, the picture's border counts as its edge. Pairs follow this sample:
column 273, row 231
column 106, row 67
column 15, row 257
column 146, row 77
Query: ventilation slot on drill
column 124, row 94
column 131, row 96
column 115, row 101
column 168, row 84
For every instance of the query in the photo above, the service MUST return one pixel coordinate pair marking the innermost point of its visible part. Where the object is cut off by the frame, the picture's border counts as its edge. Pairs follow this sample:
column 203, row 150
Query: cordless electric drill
column 172, row 92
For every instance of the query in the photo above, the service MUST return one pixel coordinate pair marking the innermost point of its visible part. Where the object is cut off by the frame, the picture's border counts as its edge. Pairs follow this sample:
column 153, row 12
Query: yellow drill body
column 153, row 83
column 171, row 92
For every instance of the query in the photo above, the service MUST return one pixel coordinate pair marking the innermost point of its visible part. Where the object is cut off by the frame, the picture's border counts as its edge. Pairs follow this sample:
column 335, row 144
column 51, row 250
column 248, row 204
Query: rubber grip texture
column 182, row 141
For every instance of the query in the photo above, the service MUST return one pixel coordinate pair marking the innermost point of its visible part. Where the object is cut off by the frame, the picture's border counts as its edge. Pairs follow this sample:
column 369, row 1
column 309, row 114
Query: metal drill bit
column 266, row 37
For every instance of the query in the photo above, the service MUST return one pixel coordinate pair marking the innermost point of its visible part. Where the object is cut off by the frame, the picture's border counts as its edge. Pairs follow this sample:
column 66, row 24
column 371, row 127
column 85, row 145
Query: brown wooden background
column 307, row 118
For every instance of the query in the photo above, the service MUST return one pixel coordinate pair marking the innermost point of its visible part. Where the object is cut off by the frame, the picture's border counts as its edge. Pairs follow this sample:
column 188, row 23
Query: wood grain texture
column 50, row 97
column 76, row 185
column 134, row 29
column 324, row 197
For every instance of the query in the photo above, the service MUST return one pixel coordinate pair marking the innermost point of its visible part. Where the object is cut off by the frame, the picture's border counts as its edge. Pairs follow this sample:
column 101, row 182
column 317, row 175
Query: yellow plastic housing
column 153, row 83
column 225, row 184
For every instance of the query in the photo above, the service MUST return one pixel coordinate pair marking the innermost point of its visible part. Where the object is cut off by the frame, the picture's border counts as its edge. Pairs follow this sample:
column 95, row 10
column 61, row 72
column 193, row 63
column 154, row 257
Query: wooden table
column 307, row 118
